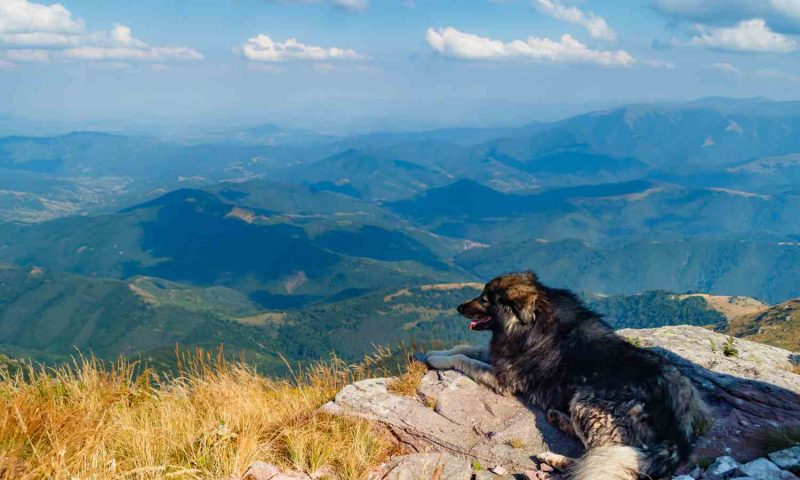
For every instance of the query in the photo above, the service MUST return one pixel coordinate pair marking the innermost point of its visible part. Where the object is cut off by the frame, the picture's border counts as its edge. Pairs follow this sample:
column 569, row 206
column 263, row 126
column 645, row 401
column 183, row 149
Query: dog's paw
column 555, row 460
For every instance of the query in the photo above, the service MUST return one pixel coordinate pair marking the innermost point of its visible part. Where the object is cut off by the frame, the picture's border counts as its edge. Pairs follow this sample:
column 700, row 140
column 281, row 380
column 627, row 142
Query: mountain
column 760, row 269
column 778, row 325
column 365, row 175
column 655, row 309
column 51, row 316
column 278, row 258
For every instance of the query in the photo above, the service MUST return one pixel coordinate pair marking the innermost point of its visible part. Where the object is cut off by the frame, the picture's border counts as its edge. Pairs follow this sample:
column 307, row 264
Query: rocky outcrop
column 750, row 392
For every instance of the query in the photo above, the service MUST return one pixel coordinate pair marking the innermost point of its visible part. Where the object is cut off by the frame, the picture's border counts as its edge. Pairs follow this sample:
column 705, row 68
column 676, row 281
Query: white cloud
column 747, row 36
column 781, row 15
column 453, row 43
column 22, row 16
column 5, row 65
column 595, row 25
column 261, row 48
column 777, row 75
column 724, row 67
column 32, row 32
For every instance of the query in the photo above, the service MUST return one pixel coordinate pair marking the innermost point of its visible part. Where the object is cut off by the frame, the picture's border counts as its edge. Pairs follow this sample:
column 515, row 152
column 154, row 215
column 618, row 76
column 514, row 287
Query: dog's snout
column 460, row 309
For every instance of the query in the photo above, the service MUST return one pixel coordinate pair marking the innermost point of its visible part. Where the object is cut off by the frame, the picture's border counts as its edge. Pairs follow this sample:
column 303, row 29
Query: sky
column 334, row 65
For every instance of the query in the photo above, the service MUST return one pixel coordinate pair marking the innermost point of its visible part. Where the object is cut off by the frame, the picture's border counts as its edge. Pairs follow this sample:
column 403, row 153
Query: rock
column 788, row 459
column 417, row 466
column 683, row 477
column 468, row 420
column 498, row 470
column 747, row 394
column 763, row 469
column 261, row 471
column 722, row 468
column 268, row 471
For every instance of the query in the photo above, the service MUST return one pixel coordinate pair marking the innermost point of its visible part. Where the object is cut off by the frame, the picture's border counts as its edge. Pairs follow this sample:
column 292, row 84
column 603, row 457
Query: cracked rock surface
column 748, row 394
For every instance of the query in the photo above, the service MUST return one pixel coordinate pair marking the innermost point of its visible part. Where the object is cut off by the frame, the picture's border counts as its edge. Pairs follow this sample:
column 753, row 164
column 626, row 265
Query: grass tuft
column 92, row 419
column 516, row 443
column 407, row 384
column 729, row 348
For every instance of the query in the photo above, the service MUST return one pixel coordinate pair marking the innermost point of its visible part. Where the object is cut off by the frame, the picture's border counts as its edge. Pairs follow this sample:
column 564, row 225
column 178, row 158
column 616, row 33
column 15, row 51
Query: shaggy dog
column 637, row 415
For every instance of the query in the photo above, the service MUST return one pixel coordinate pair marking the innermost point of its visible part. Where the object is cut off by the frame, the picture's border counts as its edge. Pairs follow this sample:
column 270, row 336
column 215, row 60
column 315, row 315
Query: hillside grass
column 96, row 420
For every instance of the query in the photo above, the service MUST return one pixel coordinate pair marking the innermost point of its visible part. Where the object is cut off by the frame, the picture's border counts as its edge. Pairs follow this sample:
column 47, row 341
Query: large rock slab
column 466, row 420
column 747, row 395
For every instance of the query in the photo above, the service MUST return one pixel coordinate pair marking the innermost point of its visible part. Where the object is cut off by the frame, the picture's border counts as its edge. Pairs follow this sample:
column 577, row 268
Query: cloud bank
column 452, row 43
column 33, row 32
column 262, row 48
column 746, row 36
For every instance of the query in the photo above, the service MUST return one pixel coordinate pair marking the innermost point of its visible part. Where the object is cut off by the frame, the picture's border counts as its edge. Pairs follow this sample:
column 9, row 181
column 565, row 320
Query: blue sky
column 372, row 64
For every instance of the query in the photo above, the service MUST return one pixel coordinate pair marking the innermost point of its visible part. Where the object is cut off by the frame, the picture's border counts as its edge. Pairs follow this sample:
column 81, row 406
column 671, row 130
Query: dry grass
column 516, row 443
column 91, row 420
column 407, row 384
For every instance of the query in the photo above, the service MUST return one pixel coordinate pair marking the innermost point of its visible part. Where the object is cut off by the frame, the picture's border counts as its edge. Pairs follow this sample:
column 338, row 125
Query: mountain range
column 123, row 244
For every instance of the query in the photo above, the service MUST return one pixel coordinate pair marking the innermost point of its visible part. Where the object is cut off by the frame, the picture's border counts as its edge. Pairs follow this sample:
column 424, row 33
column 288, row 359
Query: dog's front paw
column 555, row 460
column 438, row 362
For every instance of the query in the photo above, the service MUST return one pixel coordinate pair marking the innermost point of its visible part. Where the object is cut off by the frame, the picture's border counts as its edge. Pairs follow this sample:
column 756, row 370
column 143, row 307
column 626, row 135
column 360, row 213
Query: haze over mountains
column 271, row 240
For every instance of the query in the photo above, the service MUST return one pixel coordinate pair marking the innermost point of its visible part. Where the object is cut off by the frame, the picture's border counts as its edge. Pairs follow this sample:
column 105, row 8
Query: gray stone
column 788, row 459
column 722, row 468
column 763, row 469
column 468, row 420
column 420, row 466
column 683, row 477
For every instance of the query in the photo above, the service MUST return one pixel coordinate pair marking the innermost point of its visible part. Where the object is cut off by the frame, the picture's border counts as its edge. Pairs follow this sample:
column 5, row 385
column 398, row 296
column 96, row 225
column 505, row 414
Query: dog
column 635, row 413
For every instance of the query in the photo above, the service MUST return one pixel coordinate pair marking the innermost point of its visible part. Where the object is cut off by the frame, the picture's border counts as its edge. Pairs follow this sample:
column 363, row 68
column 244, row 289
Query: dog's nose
column 460, row 309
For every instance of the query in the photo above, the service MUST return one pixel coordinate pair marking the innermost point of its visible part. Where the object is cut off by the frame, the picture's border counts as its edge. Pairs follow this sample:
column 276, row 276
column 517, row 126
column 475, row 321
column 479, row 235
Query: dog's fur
column 637, row 415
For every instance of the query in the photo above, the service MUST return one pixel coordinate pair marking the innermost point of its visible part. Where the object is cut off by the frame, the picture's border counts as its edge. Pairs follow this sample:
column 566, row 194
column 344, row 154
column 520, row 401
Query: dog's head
column 505, row 303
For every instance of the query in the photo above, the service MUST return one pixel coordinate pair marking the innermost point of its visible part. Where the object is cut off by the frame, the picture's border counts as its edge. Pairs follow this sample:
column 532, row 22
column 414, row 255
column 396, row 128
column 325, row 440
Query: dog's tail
column 621, row 462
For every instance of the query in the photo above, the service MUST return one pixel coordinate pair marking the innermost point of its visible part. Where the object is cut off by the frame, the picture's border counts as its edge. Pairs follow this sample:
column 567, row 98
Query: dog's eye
column 484, row 299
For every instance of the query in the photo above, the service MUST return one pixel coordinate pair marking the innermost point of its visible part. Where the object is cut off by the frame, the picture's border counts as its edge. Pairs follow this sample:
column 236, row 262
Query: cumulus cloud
column 32, row 32
column 781, row 15
column 262, row 48
column 724, row 67
column 595, row 25
column 747, row 36
column 453, row 43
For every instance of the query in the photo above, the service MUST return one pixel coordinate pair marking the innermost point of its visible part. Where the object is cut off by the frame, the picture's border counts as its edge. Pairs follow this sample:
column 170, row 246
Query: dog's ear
column 522, row 300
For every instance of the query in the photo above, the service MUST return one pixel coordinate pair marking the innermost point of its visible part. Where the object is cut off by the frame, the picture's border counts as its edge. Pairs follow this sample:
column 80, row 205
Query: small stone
column 722, row 468
column 535, row 475
column 788, row 459
column 498, row 470
column 763, row 469
column 683, row 477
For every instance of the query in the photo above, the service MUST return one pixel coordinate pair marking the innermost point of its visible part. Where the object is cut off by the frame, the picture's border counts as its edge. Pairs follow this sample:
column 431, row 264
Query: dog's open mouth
column 480, row 323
